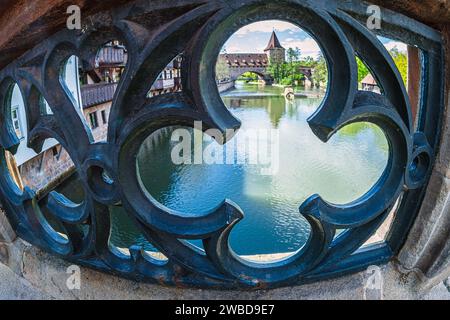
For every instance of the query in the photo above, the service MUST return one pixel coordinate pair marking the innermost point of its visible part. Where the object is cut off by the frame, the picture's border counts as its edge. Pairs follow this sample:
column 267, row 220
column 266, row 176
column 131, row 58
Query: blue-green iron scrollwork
column 199, row 31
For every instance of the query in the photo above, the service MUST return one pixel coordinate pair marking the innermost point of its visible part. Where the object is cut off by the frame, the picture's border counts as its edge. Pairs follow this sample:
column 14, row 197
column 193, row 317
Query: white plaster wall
column 72, row 82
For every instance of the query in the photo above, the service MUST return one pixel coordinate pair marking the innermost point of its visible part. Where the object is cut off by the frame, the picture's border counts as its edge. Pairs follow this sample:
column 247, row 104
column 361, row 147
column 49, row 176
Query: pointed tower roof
column 273, row 42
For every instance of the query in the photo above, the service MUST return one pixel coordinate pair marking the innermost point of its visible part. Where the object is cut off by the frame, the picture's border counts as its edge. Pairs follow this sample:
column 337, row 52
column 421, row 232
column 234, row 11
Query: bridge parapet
column 240, row 63
column 7, row 234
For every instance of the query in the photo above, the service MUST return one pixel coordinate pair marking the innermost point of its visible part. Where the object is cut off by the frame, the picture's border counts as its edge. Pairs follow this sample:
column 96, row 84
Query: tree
column 401, row 61
column 320, row 75
column 293, row 56
column 308, row 62
column 363, row 71
column 273, row 70
column 222, row 70
column 278, row 71
column 250, row 76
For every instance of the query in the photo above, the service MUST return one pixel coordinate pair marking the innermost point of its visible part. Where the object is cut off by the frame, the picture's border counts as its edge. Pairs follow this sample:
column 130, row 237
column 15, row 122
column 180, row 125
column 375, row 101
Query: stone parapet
column 48, row 275
column 427, row 249
column 7, row 234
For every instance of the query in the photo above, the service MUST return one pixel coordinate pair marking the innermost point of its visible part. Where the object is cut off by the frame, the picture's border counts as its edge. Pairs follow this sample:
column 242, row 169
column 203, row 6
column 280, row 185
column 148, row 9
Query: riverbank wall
column 225, row 86
column 46, row 168
column 49, row 168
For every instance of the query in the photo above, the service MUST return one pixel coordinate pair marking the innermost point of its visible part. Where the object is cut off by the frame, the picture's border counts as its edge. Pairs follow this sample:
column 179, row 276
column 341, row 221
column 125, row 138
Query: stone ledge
column 46, row 277
column 7, row 234
column 427, row 249
column 13, row 287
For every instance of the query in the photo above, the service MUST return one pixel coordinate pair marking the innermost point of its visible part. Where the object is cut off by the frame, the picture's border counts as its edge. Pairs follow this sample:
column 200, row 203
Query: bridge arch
column 267, row 78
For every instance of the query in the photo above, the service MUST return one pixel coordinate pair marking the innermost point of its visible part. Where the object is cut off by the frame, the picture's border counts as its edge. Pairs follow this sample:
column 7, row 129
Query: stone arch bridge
column 258, row 63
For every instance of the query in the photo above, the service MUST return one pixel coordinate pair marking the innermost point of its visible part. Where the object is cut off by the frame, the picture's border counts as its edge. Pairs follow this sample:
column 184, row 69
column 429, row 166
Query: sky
column 254, row 37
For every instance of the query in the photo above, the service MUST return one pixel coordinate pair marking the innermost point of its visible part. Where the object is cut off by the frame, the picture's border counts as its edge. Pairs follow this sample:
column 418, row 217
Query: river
column 340, row 170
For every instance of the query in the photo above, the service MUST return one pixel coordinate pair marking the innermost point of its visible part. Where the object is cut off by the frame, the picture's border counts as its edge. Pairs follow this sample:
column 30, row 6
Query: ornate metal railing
column 199, row 29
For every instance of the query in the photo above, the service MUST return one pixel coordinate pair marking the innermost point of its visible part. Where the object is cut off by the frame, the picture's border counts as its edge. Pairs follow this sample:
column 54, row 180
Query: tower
column 275, row 52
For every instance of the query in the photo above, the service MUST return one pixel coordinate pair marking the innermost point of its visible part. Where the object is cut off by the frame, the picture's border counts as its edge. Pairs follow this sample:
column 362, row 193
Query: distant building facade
column 19, row 116
column 27, row 167
column 93, row 92
column 275, row 51
column 370, row 84
column 239, row 63
column 169, row 80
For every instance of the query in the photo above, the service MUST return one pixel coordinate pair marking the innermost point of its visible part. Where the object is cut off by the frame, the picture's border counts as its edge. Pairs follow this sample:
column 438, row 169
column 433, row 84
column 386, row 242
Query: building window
column 16, row 121
column 56, row 153
column 44, row 107
column 103, row 114
column 93, row 120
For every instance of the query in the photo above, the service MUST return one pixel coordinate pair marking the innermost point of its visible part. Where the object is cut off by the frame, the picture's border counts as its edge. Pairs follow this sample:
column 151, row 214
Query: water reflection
column 340, row 171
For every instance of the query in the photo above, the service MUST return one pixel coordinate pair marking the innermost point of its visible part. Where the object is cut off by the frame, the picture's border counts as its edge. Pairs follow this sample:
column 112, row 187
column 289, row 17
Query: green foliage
column 363, row 71
column 286, row 82
column 288, row 73
column 308, row 62
column 401, row 61
column 320, row 75
column 278, row 71
column 249, row 76
column 293, row 55
column 222, row 70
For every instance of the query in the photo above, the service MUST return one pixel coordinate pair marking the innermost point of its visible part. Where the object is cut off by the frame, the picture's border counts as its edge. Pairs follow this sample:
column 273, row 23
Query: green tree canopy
column 401, row 61
column 363, row 71
column 222, row 70
column 320, row 75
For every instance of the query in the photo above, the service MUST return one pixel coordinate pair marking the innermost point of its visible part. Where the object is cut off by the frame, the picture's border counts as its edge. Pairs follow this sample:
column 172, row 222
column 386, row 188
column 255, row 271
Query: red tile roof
column 369, row 79
column 273, row 42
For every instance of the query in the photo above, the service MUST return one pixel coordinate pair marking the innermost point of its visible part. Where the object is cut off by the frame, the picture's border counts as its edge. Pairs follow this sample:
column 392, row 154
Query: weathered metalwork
column 199, row 29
